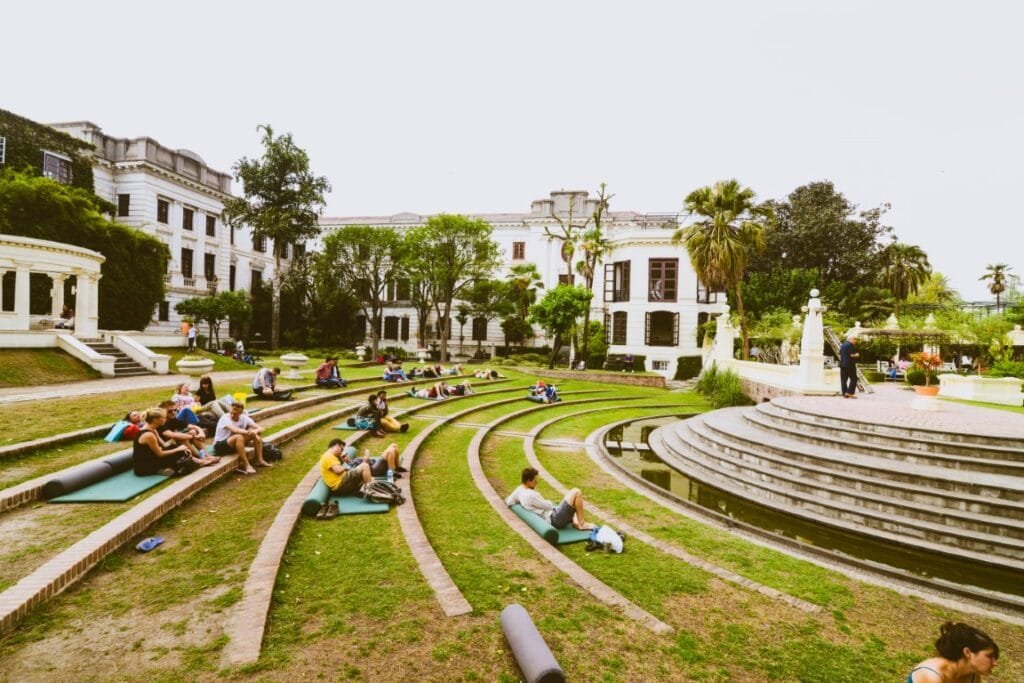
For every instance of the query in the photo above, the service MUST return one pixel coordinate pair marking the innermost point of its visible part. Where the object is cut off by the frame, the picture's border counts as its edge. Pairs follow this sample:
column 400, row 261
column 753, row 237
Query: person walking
column 848, row 356
column 192, row 337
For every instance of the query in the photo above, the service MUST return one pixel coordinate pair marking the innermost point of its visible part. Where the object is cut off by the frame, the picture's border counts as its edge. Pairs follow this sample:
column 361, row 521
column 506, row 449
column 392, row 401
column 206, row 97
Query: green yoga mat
column 115, row 489
column 348, row 427
column 347, row 505
column 550, row 534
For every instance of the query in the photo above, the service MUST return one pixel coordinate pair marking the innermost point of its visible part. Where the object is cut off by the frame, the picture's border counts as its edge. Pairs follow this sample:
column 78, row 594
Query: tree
column 523, row 281
column 364, row 260
column 905, row 268
column 451, row 252
column 568, row 235
column 488, row 299
column 729, row 227
column 594, row 247
column 282, row 202
column 133, row 273
column 462, row 313
column 936, row 291
column 557, row 313
column 999, row 278
column 215, row 309
column 237, row 309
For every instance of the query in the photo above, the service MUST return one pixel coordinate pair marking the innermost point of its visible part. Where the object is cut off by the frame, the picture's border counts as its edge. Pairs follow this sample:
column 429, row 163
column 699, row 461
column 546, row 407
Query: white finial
column 814, row 293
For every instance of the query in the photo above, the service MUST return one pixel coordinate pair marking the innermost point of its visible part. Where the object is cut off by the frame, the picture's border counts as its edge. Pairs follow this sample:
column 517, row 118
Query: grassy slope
column 33, row 367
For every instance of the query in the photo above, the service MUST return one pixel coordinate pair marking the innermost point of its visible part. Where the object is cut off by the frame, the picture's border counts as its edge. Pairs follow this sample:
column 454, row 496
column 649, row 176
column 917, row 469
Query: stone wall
column 629, row 378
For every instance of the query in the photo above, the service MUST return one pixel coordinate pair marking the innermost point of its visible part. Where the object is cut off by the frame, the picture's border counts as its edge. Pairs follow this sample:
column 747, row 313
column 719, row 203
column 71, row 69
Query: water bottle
column 391, row 476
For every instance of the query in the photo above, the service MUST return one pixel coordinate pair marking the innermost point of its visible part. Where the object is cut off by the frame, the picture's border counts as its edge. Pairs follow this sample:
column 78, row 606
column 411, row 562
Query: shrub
column 722, row 388
column 396, row 351
column 916, row 378
column 595, row 361
column 1008, row 368
column 615, row 361
column 688, row 367
column 874, row 376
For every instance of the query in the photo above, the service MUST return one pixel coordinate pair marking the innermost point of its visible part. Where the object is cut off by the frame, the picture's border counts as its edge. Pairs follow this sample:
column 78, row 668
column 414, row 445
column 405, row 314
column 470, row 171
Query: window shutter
column 675, row 330
column 624, row 296
column 405, row 329
column 609, row 283
column 647, row 328
column 607, row 327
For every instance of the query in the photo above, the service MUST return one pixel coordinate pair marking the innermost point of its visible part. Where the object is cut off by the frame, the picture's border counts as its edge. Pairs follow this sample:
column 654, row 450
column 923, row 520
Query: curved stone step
column 974, row 547
column 982, row 487
column 939, row 454
column 924, row 506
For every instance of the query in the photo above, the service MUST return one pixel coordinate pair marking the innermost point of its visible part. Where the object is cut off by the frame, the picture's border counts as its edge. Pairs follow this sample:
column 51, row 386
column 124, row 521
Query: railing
column 189, row 282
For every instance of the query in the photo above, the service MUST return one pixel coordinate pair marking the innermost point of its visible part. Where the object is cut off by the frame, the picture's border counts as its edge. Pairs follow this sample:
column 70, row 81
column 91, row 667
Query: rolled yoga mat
column 528, row 647
column 317, row 497
column 78, row 478
column 121, row 462
column 116, row 488
column 554, row 536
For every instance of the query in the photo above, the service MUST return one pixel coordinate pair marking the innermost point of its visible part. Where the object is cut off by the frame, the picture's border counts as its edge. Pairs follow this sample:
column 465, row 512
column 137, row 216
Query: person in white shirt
column 569, row 511
column 234, row 431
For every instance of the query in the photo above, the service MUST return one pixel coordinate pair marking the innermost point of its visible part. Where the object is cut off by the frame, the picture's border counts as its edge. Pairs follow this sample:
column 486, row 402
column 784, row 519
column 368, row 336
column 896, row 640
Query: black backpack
column 271, row 453
column 208, row 423
column 382, row 492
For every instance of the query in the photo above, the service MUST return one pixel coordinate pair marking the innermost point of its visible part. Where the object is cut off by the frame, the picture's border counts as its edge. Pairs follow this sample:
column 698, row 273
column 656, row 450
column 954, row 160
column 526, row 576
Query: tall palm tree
column 905, row 268
column 594, row 247
column 728, row 227
column 999, row 280
column 524, row 280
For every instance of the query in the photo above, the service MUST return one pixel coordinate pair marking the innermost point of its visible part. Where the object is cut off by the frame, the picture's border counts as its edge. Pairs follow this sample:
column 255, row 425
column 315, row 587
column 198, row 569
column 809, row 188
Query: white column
column 2, row 274
column 94, row 304
column 812, row 356
column 57, row 296
column 21, row 295
column 725, row 337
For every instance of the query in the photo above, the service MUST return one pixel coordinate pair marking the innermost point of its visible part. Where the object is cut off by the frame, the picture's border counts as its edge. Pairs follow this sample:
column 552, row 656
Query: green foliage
column 27, row 140
column 557, row 313
column 999, row 279
column 282, row 201
column 133, row 274
column 1007, row 368
column 688, row 367
column 722, row 388
column 916, row 377
column 905, row 268
column 487, row 299
column 616, row 362
column 450, row 253
column 213, row 310
column 318, row 308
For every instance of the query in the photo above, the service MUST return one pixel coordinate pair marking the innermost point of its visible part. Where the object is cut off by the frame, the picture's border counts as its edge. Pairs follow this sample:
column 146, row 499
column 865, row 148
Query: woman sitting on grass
column 184, row 402
column 207, row 397
column 153, row 455
column 369, row 416
column 965, row 654
column 388, row 423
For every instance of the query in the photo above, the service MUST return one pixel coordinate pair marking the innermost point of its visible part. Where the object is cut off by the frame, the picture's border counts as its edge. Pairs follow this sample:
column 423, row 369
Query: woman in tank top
column 151, row 454
column 965, row 655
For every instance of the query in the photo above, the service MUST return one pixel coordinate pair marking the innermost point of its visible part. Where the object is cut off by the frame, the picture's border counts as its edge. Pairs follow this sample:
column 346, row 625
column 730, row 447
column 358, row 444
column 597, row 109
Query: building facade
column 645, row 290
column 176, row 196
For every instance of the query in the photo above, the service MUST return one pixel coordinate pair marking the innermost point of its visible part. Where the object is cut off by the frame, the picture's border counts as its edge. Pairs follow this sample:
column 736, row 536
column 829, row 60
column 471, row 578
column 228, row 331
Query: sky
column 481, row 107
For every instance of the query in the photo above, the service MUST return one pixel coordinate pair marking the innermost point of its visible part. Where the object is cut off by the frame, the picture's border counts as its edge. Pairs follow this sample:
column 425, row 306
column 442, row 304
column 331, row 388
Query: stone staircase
column 950, row 492
column 123, row 365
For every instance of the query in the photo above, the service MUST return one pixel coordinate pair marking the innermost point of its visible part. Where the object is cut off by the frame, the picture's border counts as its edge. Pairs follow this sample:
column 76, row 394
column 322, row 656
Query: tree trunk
column 556, row 346
column 745, row 348
column 275, row 299
column 442, row 329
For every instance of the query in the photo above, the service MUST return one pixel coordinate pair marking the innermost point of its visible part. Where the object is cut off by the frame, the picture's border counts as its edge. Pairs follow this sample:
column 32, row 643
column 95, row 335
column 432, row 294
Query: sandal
column 322, row 513
column 332, row 510
column 242, row 470
column 264, row 464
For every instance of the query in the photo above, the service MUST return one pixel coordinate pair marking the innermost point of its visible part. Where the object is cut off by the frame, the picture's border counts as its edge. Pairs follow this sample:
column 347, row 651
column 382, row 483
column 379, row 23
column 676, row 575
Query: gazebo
column 58, row 261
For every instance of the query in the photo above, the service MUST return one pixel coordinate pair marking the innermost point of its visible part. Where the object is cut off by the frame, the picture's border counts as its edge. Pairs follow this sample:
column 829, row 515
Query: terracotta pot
column 927, row 391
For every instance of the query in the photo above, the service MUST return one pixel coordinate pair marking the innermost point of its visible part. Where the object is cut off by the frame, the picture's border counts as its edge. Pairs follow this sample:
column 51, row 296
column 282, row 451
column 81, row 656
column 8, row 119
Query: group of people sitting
column 543, row 392
column 442, row 389
column 393, row 371
column 327, row 374
column 373, row 416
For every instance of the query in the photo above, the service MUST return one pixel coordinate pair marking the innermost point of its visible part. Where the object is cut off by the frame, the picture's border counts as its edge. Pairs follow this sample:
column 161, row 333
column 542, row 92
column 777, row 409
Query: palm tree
column 905, row 268
column 999, row 280
column 524, row 280
column 728, row 228
column 594, row 246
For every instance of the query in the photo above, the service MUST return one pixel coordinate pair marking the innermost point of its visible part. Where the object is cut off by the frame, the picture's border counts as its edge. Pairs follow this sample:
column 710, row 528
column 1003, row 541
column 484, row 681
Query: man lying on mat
column 569, row 511
column 379, row 466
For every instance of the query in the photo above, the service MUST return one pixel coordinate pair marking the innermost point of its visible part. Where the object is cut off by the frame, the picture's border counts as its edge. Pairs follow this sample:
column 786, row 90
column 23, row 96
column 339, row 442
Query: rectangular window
column 210, row 266
column 662, row 279
column 518, row 251
column 705, row 295
column 186, row 262
column 616, row 281
column 232, row 273
column 619, row 327
column 607, row 328
column 186, row 219
column 164, row 313
column 300, row 250
column 231, row 234
column 124, row 202
column 256, row 280
column 211, row 226
column 405, row 329
column 283, row 248
column 57, row 167
column 564, row 279
column 659, row 365
column 259, row 243
column 391, row 327
column 163, row 209
column 479, row 329
column 662, row 328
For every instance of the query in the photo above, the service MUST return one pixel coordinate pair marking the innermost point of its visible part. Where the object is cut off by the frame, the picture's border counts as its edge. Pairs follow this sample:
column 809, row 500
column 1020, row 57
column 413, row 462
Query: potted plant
column 927, row 363
column 194, row 365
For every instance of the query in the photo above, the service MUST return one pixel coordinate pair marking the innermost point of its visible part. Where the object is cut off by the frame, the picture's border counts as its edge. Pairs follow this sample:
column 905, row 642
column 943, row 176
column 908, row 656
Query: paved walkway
column 890, row 405
column 103, row 386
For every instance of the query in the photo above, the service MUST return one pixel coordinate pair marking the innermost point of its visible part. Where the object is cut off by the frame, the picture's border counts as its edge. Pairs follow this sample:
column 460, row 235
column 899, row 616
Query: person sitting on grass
column 438, row 391
column 379, row 466
column 235, row 431
column 569, row 511
column 176, row 430
column 368, row 416
column 547, row 392
column 207, row 397
column 394, row 373
column 185, row 404
column 265, row 385
column 486, row 373
column 342, row 479
column 964, row 654
column 386, row 422
column 152, row 455
column 327, row 375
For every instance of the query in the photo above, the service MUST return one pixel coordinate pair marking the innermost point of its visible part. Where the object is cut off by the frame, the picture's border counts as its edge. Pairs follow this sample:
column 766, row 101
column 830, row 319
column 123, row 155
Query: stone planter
column 294, row 361
column 926, row 399
column 194, row 367
column 927, row 391
column 422, row 355
column 361, row 352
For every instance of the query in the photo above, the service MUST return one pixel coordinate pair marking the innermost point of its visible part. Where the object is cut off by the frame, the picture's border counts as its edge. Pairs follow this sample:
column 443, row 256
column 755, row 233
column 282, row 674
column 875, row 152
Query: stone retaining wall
column 628, row 378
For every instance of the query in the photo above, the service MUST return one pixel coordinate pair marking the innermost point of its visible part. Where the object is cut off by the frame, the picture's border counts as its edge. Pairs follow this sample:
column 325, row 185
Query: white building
column 645, row 291
column 175, row 196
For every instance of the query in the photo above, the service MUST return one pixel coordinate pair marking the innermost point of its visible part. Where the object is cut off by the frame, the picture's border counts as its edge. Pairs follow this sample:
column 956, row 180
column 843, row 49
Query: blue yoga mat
column 354, row 505
column 115, row 489
column 554, row 536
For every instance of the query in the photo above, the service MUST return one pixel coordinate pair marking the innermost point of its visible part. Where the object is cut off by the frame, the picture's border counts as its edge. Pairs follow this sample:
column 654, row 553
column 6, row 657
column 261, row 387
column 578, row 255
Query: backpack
column 271, row 453
column 382, row 492
column 208, row 422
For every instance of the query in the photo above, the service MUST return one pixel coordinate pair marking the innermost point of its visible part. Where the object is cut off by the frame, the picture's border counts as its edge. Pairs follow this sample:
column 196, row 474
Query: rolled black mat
column 79, row 478
column 120, row 462
column 531, row 652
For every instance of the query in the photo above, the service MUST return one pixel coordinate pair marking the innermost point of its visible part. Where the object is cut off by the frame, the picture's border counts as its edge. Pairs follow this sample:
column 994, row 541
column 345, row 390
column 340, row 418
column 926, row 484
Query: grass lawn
column 32, row 367
column 350, row 603
column 1012, row 409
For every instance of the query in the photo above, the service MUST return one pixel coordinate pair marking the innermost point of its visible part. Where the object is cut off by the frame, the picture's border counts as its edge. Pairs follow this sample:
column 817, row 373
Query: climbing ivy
column 26, row 141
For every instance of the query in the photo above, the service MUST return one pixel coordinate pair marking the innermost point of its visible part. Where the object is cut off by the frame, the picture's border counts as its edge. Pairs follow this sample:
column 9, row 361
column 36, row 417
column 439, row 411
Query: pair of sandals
column 328, row 511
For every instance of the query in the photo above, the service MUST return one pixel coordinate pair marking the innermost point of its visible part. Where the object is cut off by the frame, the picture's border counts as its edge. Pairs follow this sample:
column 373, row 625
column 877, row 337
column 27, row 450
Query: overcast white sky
column 483, row 107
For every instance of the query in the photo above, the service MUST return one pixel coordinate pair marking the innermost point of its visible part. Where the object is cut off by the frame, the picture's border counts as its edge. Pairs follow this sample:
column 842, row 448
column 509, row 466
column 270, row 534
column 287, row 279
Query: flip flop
column 148, row 544
column 242, row 470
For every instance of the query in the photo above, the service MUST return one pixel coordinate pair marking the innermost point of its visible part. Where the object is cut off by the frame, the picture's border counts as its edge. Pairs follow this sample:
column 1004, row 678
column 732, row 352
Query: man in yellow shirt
column 341, row 479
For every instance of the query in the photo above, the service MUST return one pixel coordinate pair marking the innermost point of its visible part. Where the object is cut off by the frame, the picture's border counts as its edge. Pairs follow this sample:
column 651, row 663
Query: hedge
column 688, row 367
